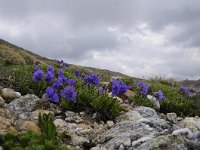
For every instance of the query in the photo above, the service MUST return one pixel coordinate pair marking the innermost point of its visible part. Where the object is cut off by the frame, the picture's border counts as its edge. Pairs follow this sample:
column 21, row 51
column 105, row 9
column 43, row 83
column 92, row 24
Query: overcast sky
column 141, row 38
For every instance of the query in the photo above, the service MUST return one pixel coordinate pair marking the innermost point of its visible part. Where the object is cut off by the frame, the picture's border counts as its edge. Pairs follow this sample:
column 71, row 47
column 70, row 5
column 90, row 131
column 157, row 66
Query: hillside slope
column 14, row 55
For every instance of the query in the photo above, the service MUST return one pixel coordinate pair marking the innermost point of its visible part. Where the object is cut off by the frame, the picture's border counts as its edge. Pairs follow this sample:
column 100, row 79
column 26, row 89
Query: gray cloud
column 132, row 36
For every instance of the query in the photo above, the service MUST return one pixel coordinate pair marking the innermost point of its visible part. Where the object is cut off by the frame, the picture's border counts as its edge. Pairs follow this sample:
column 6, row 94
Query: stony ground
column 136, row 128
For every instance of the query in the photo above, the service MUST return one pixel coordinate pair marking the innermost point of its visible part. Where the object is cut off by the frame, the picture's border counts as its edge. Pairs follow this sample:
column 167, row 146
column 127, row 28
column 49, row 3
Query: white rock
column 60, row 123
column 154, row 101
column 141, row 140
column 17, row 95
column 110, row 124
column 121, row 147
column 184, row 131
column 127, row 142
column 79, row 130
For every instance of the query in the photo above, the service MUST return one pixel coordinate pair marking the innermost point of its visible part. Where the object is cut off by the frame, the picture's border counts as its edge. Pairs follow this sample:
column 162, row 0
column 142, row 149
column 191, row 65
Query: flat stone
column 22, row 126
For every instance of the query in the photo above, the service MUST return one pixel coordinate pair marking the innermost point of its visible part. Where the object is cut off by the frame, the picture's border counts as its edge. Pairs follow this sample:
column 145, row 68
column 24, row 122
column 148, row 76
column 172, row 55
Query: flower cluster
column 118, row 88
column 69, row 93
column 187, row 90
column 53, row 91
column 159, row 95
column 77, row 73
column 50, row 74
column 143, row 88
column 102, row 90
column 92, row 79
column 63, row 64
column 38, row 74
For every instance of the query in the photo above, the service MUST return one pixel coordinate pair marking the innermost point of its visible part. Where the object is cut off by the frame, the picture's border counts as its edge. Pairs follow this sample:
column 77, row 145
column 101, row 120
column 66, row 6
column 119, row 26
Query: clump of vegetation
column 31, row 141
column 184, row 101
column 47, row 126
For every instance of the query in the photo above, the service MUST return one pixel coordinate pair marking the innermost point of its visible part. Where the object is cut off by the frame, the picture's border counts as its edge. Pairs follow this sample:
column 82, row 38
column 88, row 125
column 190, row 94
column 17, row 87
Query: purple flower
column 50, row 68
column 197, row 90
column 118, row 87
column 172, row 83
column 184, row 89
column 191, row 95
column 38, row 75
column 50, row 76
column 57, row 84
column 144, row 88
column 94, row 79
column 159, row 95
column 71, row 81
column 60, row 73
column 84, row 76
column 115, row 87
column 36, row 68
column 101, row 90
column 64, row 64
column 69, row 93
column 51, row 93
column 122, row 88
column 77, row 73
column 55, row 98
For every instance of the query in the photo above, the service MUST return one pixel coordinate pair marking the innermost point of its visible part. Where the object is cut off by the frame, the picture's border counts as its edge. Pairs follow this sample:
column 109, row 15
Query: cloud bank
column 135, row 37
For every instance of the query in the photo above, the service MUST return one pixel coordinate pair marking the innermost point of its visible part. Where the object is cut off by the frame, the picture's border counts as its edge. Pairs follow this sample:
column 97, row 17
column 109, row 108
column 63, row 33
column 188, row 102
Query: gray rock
column 139, row 123
column 78, row 140
column 184, row 131
column 166, row 142
column 22, row 107
column 146, row 112
column 154, row 101
column 121, row 147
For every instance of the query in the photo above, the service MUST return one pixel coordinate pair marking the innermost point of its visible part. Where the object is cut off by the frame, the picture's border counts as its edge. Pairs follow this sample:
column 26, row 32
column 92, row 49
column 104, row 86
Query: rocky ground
column 136, row 128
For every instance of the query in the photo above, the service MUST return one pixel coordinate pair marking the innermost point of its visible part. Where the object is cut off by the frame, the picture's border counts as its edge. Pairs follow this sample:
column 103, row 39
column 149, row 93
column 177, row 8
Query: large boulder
column 22, row 107
column 142, row 128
